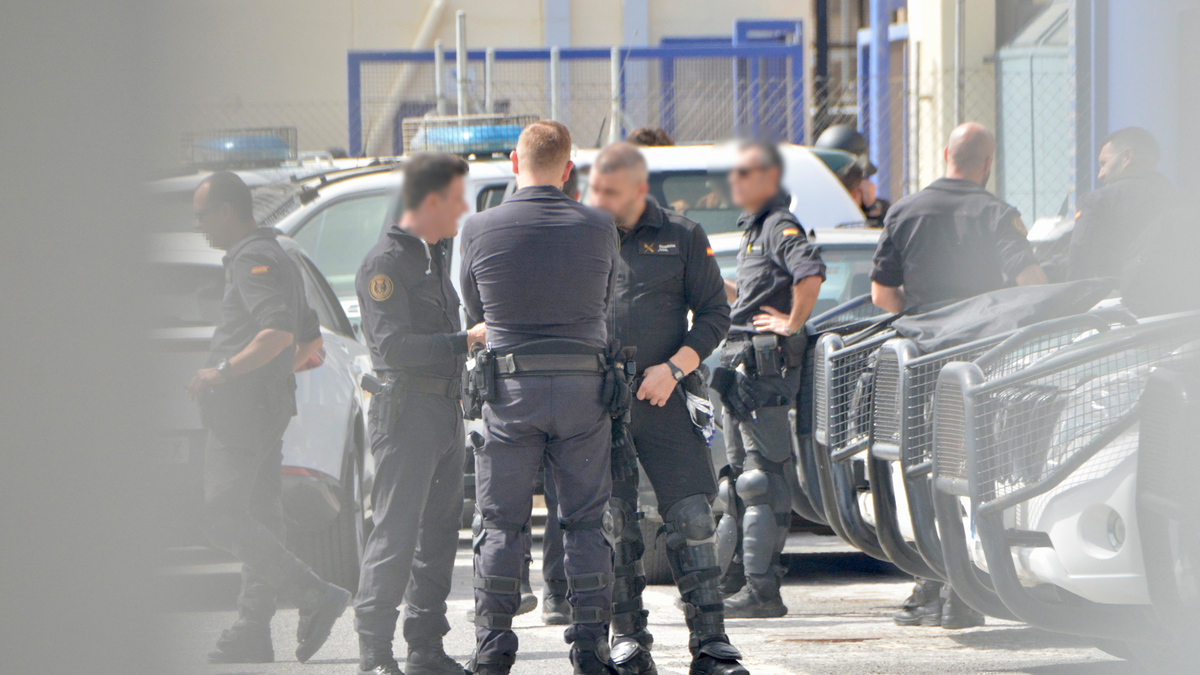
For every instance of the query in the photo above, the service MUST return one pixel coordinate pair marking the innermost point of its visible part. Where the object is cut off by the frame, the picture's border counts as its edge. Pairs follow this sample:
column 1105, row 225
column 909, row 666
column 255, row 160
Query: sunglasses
column 743, row 171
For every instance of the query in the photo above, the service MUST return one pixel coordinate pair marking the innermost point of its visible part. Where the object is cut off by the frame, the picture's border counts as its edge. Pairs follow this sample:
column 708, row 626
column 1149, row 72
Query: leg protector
column 729, row 529
column 631, row 640
column 764, row 491
column 692, row 551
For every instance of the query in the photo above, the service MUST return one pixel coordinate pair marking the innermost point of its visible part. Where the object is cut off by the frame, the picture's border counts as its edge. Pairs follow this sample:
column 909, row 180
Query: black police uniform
column 1111, row 221
column 667, row 270
column 950, row 241
column 246, row 418
column 410, row 320
column 538, row 268
column 775, row 255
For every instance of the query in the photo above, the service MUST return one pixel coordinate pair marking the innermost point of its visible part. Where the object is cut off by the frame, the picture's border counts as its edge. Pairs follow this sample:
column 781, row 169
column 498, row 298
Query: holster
column 387, row 399
column 768, row 357
column 479, row 383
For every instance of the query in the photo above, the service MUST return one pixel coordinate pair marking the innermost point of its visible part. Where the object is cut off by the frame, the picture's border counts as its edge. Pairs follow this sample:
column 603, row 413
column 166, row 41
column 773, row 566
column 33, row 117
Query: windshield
column 847, row 274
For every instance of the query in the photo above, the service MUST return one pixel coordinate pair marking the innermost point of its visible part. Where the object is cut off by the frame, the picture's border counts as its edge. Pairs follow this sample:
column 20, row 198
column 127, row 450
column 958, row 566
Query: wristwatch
column 223, row 368
column 676, row 371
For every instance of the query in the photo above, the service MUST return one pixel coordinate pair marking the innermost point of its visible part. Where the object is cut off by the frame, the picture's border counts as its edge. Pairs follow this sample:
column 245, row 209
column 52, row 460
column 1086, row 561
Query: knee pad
column 754, row 487
column 620, row 523
column 692, row 517
column 727, row 496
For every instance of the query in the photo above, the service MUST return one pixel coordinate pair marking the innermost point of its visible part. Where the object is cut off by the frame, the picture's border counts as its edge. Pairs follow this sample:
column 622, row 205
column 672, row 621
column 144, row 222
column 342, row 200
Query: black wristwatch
column 676, row 371
column 223, row 368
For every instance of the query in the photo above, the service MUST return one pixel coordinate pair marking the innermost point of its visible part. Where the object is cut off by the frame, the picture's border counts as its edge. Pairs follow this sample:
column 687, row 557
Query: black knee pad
column 692, row 517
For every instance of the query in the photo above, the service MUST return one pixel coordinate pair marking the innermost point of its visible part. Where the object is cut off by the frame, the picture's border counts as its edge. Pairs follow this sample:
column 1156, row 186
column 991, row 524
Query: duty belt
column 519, row 365
column 434, row 386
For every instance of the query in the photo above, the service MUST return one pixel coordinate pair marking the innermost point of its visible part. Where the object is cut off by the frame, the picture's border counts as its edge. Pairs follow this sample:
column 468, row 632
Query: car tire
column 334, row 552
column 654, row 560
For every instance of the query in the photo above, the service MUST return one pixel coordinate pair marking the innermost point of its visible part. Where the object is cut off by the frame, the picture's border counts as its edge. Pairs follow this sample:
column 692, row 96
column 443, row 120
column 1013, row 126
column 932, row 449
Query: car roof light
column 479, row 135
column 240, row 148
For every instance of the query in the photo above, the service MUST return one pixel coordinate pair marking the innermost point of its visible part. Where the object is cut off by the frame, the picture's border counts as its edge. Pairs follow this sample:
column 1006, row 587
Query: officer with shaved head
column 951, row 241
column 666, row 272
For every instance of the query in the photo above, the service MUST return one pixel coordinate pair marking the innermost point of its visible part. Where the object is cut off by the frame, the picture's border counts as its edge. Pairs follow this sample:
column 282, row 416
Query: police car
column 694, row 180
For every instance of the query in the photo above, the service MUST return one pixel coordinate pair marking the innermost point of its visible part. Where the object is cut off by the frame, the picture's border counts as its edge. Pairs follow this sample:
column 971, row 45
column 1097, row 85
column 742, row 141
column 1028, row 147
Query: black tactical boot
column 758, row 599
column 594, row 660
column 375, row 657
column 320, row 607
column 631, row 654
column 556, row 611
column 956, row 614
column 734, row 578
column 923, row 607
column 428, row 657
column 474, row 667
column 244, row 642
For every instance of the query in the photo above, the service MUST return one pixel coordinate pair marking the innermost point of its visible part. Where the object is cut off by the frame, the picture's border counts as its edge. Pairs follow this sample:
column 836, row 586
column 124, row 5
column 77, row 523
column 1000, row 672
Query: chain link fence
column 695, row 94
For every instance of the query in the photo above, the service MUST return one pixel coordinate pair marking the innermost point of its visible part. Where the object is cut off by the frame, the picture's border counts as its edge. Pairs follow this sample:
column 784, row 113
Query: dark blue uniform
column 1112, row 220
column 775, row 255
column 951, row 241
column 410, row 320
column 541, row 266
column 246, row 418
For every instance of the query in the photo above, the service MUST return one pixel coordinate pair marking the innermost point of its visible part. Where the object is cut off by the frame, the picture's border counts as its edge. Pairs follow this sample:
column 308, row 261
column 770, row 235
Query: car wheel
column 335, row 551
column 654, row 560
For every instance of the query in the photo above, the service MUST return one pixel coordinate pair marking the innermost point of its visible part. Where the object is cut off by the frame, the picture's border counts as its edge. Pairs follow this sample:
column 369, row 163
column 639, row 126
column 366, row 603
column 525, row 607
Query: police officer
column 1112, row 219
column 667, row 270
column 247, row 396
column 848, row 139
column 954, row 239
column 779, row 275
column 539, row 269
column 950, row 241
column 410, row 320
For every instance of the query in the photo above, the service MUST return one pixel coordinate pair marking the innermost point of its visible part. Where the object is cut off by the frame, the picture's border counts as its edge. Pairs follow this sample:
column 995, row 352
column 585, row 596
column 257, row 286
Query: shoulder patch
column 380, row 287
column 1020, row 225
column 710, row 252
column 260, row 269
column 790, row 231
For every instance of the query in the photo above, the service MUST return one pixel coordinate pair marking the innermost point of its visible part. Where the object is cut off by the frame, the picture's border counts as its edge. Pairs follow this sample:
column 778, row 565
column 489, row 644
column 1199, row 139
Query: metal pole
column 614, row 115
column 439, row 76
column 960, row 61
column 880, row 122
column 554, row 83
column 460, row 60
column 489, row 75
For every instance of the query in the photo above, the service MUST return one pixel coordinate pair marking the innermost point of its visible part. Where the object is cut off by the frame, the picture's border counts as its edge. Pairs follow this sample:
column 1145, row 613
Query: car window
column 702, row 196
column 321, row 298
column 338, row 237
column 490, row 196
column 847, row 274
column 187, row 295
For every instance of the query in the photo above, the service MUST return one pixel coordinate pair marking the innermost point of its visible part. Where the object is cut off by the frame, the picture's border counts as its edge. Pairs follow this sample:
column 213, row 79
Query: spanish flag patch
column 710, row 252
column 261, row 269
column 790, row 232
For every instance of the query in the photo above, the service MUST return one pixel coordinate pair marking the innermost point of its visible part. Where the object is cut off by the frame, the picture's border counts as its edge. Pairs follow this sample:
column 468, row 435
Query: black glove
column 624, row 456
column 727, row 384
column 617, row 395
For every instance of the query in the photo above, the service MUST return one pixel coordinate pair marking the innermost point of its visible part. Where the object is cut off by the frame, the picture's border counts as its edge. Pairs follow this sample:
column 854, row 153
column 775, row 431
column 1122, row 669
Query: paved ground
column 839, row 623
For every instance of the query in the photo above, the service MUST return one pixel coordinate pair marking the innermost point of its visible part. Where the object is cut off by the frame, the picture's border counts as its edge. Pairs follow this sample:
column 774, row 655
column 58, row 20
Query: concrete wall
column 284, row 61
column 931, row 70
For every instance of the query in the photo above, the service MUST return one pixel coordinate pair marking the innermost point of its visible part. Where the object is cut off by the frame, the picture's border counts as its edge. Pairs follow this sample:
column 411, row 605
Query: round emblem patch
column 380, row 287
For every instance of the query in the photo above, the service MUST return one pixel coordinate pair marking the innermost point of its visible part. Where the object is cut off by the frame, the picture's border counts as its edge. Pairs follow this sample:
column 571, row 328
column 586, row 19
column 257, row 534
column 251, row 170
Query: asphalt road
column 839, row 622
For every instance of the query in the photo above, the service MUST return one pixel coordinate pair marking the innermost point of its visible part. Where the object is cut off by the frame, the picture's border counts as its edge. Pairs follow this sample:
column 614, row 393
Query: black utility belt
column 766, row 354
column 530, row 365
column 434, row 386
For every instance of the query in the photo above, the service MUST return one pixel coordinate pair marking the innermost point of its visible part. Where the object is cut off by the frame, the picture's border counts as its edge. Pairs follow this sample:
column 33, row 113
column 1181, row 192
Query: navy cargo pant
column 558, row 419
column 417, row 499
column 242, row 484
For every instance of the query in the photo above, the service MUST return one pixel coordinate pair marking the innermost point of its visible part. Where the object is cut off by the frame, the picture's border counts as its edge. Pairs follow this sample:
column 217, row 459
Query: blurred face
column 620, row 193
column 1113, row 165
column 216, row 221
column 443, row 209
column 751, row 182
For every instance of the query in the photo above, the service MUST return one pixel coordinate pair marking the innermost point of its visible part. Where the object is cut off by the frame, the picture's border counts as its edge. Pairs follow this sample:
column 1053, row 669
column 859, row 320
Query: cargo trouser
column 558, row 419
column 417, row 499
column 243, row 513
